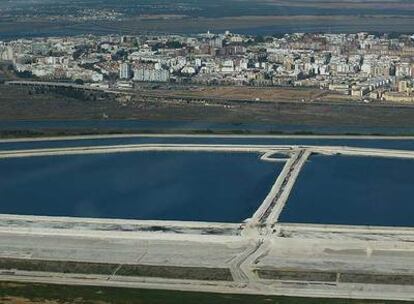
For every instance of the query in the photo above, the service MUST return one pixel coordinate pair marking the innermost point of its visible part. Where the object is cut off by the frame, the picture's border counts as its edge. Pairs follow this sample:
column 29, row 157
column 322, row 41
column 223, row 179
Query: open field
column 191, row 273
column 21, row 104
column 247, row 93
column 265, row 24
column 244, row 24
column 22, row 293
column 348, row 4
column 327, row 276
column 259, row 16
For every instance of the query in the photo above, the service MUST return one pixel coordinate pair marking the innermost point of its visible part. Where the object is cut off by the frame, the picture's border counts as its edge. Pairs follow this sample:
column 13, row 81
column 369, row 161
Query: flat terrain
column 22, row 104
column 172, row 272
column 20, row 293
column 244, row 24
column 259, row 16
column 270, row 94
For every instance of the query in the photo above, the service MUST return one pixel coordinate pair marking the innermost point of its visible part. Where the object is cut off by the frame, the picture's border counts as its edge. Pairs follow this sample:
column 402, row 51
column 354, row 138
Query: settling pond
column 202, row 186
column 208, row 186
column 353, row 191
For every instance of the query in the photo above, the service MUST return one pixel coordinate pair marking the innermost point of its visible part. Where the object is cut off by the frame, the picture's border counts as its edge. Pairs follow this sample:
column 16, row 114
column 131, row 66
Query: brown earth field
column 248, row 93
column 270, row 94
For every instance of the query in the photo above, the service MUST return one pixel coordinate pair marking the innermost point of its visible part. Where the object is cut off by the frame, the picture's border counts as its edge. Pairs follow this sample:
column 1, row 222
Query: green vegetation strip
column 376, row 278
column 44, row 293
column 57, row 266
column 170, row 272
column 195, row 273
column 332, row 276
column 288, row 275
column 62, row 132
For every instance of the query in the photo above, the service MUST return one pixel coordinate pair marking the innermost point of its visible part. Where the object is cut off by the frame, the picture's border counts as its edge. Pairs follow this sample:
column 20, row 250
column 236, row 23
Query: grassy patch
column 171, row 272
column 377, row 278
column 57, row 266
column 297, row 275
column 331, row 276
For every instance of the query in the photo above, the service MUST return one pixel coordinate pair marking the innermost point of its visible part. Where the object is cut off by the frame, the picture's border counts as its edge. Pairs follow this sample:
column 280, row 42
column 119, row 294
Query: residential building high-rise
column 125, row 71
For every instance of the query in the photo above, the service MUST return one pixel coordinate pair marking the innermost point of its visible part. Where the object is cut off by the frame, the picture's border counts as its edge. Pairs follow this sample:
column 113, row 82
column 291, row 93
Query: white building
column 124, row 71
column 151, row 74
column 227, row 66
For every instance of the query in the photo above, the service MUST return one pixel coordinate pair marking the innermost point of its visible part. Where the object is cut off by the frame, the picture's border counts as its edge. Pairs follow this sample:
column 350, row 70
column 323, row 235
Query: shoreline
column 94, row 133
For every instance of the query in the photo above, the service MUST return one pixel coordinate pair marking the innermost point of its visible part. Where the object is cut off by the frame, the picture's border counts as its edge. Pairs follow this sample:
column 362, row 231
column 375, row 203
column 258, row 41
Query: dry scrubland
column 22, row 104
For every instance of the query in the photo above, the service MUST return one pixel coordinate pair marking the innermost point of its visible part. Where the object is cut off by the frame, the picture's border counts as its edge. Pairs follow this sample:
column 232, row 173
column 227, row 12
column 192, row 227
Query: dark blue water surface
column 353, row 191
column 399, row 144
column 222, row 187
column 205, row 186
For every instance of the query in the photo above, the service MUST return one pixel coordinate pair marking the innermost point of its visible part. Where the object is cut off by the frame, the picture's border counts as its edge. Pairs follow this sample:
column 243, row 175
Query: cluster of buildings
column 359, row 65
